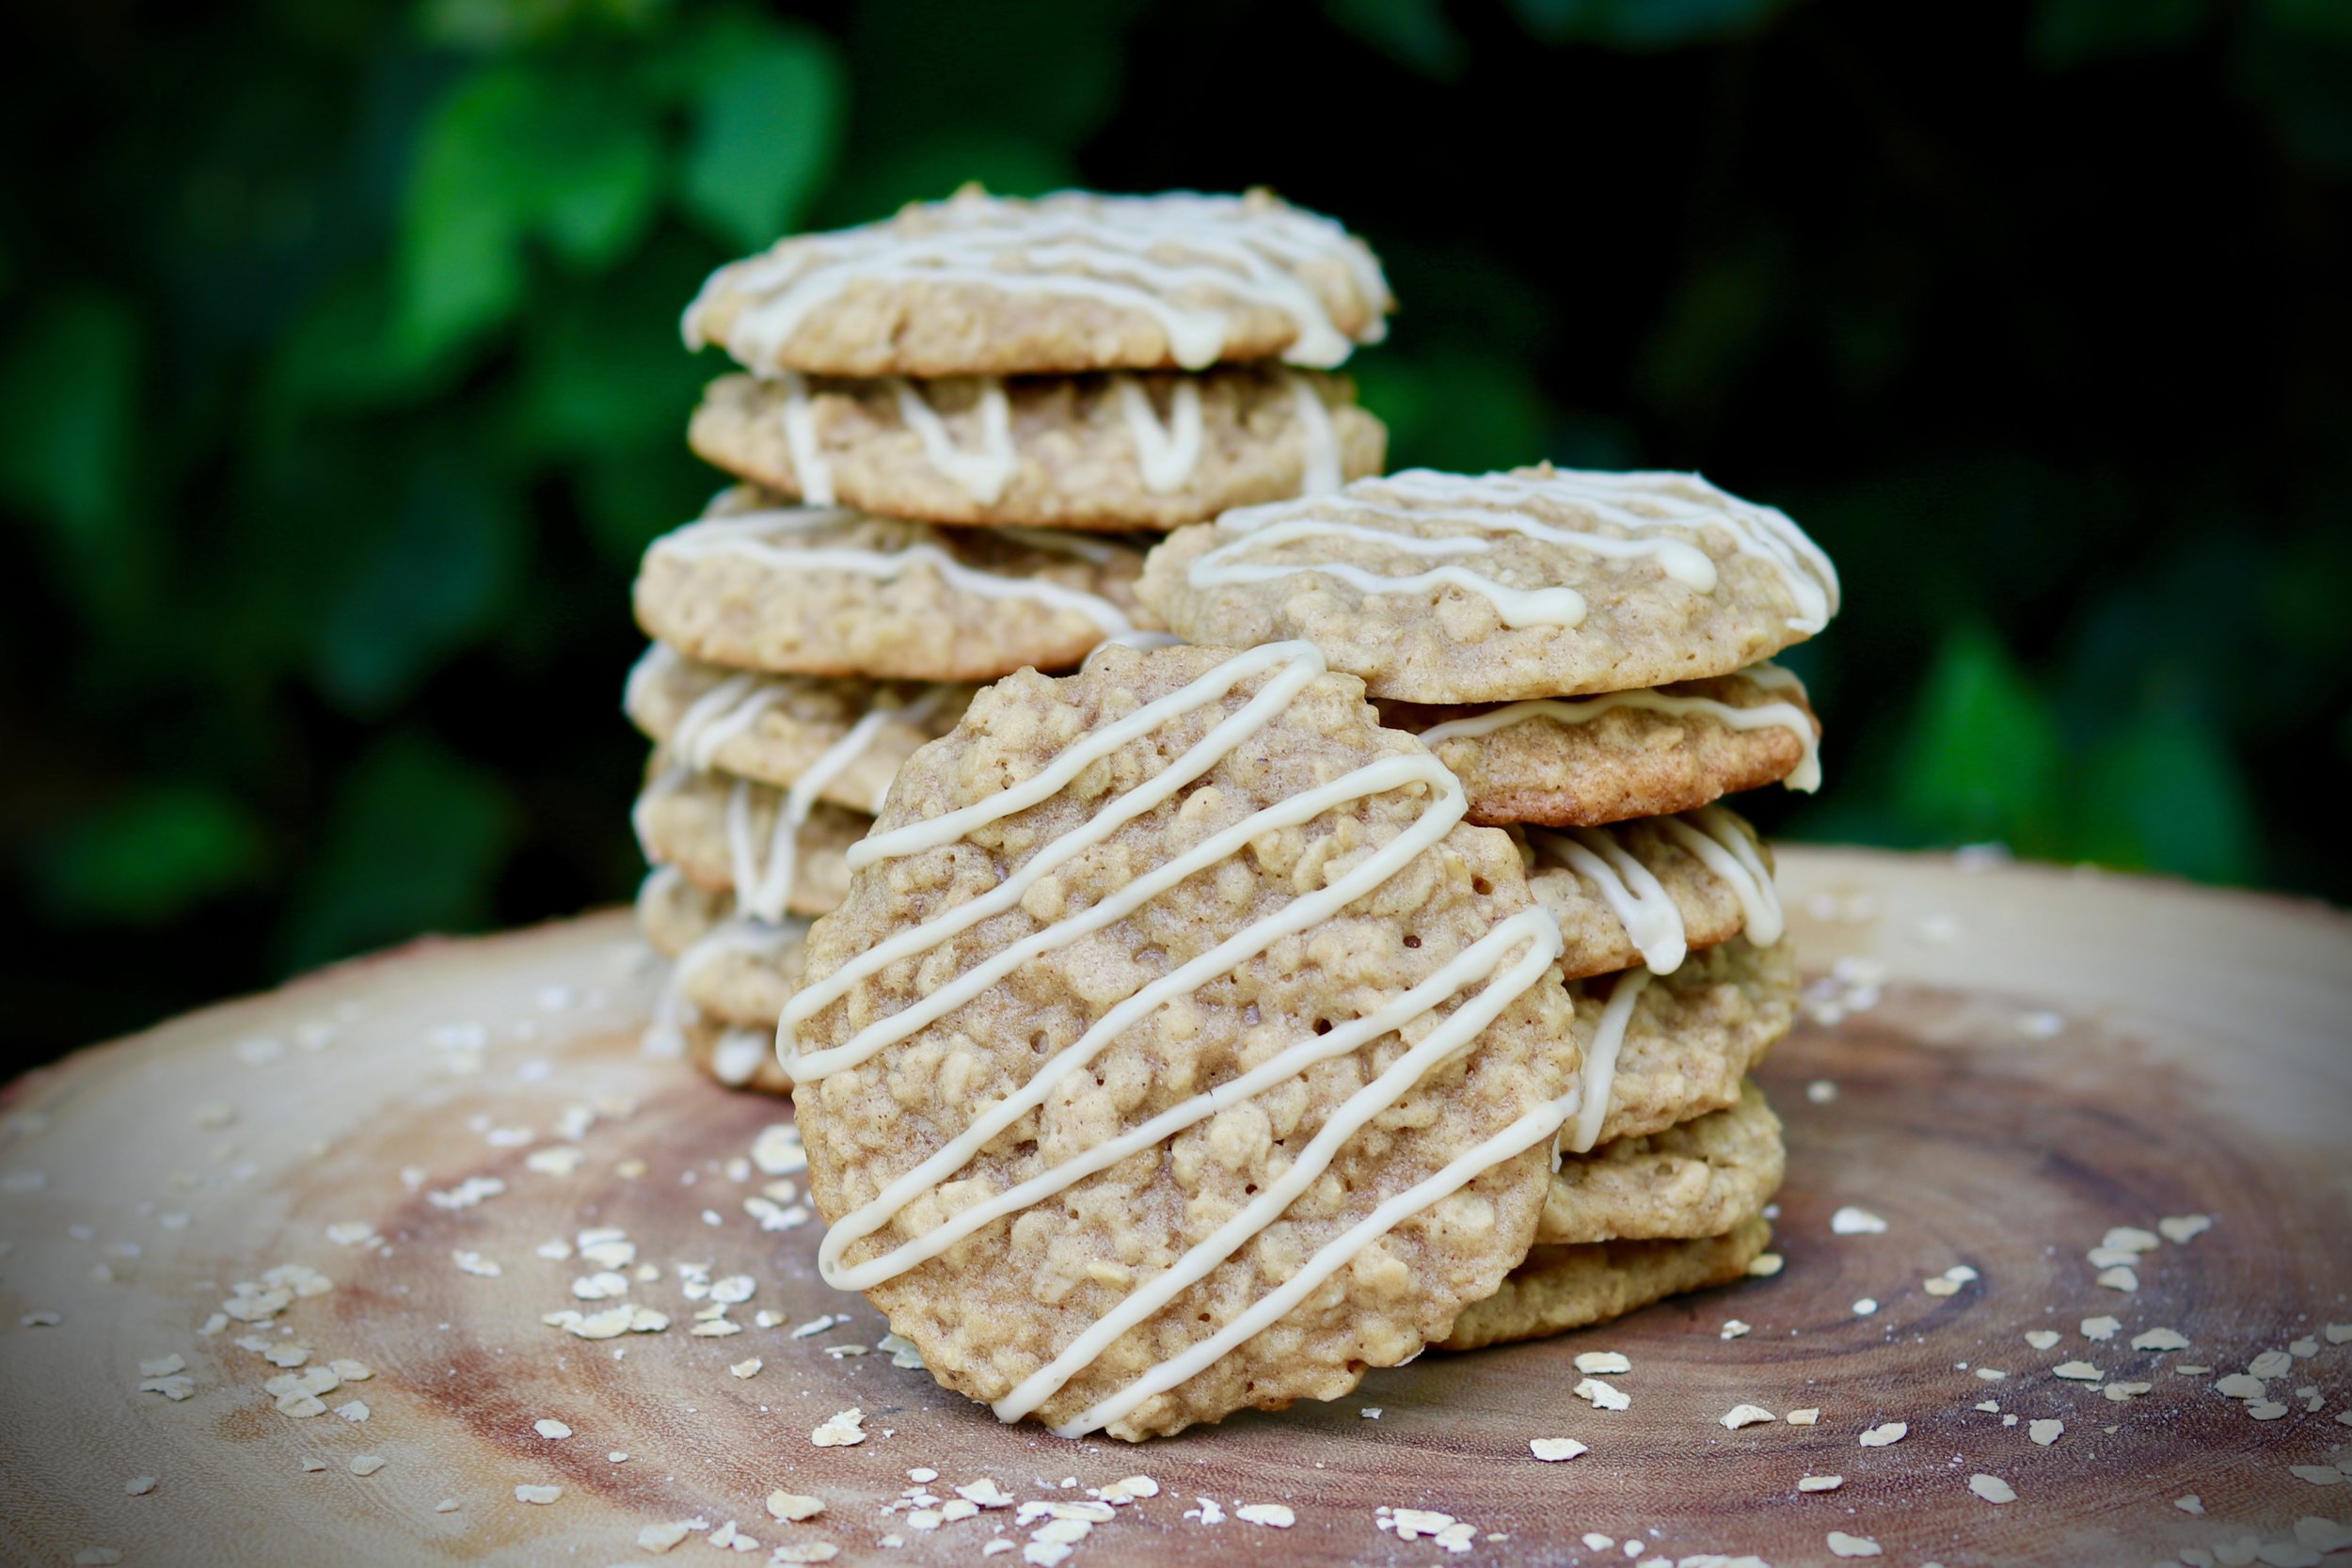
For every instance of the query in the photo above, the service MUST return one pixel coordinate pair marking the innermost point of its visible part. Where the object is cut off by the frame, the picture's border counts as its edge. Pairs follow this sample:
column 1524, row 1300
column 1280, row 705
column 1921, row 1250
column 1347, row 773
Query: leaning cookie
column 1104, row 453
column 1583, row 761
column 1540, row 582
column 825, row 591
column 1699, row 1177
column 777, row 729
column 1664, row 1049
column 773, row 855
column 1648, row 891
column 1176, row 1049
column 982, row 285
column 1560, row 1287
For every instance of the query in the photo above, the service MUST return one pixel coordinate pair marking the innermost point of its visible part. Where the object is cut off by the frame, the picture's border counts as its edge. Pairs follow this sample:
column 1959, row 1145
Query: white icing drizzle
column 1138, row 253
column 1601, row 1063
column 1371, row 509
column 738, row 1055
column 809, row 464
column 983, row 474
column 719, row 714
column 742, row 535
column 763, row 880
column 1289, row 667
column 1641, row 903
column 1319, row 458
column 1166, row 455
column 1714, row 835
column 1805, row 776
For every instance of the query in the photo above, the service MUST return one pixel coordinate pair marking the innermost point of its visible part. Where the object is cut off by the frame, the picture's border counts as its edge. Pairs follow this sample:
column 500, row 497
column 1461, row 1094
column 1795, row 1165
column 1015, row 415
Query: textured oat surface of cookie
column 1064, row 934
column 758, row 584
column 979, row 285
column 722, row 832
column 775, row 728
column 1539, row 582
column 1691, row 1035
column 1100, row 452
column 1578, row 762
column 727, row 967
column 1560, row 1287
column 1699, row 1177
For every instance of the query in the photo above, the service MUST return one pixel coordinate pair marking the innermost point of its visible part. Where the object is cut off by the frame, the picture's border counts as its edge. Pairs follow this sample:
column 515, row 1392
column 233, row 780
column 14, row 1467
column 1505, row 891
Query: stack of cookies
column 1587, row 654
column 1183, row 1043
column 955, row 435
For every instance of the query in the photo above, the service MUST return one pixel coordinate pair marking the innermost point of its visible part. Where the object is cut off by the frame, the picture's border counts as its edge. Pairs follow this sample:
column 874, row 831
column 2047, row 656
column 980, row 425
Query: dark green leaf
column 1982, row 761
column 2076, row 32
column 2165, row 795
column 151, row 855
column 766, row 120
column 1416, row 34
column 68, row 382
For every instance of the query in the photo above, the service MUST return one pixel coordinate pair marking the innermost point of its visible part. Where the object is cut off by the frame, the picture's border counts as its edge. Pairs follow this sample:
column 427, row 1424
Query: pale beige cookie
column 1647, row 892
column 981, row 285
column 727, row 967
column 1560, row 1288
column 1583, row 761
column 731, row 835
column 1100, row 1074
column 761, row 585
column 776, row 728
column 1106, row 452
column 1700, row 1178
column 737, row 1057
column 1540, row 582
column 1688, row 1039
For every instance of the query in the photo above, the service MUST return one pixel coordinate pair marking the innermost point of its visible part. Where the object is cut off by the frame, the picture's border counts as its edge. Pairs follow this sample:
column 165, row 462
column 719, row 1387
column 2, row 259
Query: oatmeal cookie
column 825, row 591
column 1540, row 582
column 1648, row 891
column 1113, row 452
column 982, row 285
column 776, row 728
column 729, row 967
column 1177, row 1048
column 1700, row 1178
column 740, row 837
column 1560, row 1288
column 1583, row 761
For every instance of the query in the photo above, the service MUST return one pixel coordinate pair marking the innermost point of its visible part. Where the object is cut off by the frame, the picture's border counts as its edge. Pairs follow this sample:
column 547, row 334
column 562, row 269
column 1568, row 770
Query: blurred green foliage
column 340, row 389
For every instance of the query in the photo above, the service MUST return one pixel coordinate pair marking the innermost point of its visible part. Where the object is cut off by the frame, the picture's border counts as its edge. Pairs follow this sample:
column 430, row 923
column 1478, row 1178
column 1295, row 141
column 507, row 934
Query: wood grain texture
column 2050, row 1054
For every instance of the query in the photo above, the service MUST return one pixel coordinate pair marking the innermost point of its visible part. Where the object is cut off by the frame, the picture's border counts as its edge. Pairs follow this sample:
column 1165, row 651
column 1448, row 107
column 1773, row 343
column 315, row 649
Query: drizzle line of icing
column 740, row 535
column 1713, row 834
column 1101, row 249
column 1319, row 453
column 1806, row 775
column 1290, row 667
column 1641, row 904
column 1600, row 1064
column 1166, row 455
column 809, row 464
column 981, row 475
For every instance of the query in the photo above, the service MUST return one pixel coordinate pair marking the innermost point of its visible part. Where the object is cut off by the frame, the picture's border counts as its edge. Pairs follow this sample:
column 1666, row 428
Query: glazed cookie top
column 1539, row 582
column 1580, row 761
column 829, row 591
column 851, row 735
column 1651, row 892
column 1100, row 452
column 984, row 285
column 1181, row 991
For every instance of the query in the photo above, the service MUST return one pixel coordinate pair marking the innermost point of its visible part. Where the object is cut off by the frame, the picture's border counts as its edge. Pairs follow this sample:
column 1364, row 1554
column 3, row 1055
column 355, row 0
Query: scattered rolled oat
column 1821, row 1091
column 2160, row 1339
column 366, row 1463
column 447, row 1505
column 1602, row 1395
column 2318, row 1475
column 2190, row 1504
column 2338, row 1334
column 1886, row 1432
column 1810, row 1415
column 1551, row 1450
column 825, row 1551
column 355, row 1411
column 843, row 1429
column 2119, row 1279
column 138, row 1486
column 547, row 1426
column 2045, row 1433
column 2101, row 1328
column 541, row 1494
column 1866, row 1308
column 1850, row 1221
column 661, row 1537
column 2241, row 1385
column 1733, row 1328
column 2185, row 1227
column 748, row 1367
column 2265, row 1410
column 1842, row 1545
column 1819, row 1483
column 2041, row 1339
column 1745, row 1415
column 793, row 1506
column 1602, row 1361
column 1272, row 1516
column 1993, row 1489
column 2130, row 1238
column 1766, row 1264
column 2270, row 1364
column 2077, row 1371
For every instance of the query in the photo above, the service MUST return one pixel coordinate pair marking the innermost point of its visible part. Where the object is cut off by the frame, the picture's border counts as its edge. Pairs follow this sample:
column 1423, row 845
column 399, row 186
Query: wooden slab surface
column 2007, row 1063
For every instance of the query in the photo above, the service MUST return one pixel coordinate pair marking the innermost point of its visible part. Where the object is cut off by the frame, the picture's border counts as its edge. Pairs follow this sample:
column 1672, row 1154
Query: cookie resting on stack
column 956, row 432
column 1587, row 654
